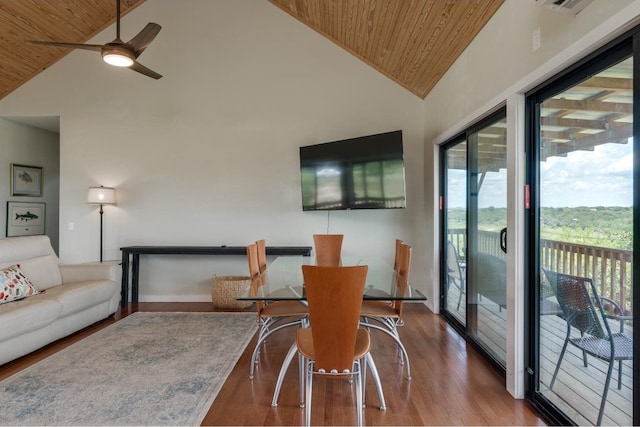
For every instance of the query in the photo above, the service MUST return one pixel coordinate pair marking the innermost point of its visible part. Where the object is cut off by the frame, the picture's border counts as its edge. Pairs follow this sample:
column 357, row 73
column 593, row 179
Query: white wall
column 27, row 145
column 498, row 68
column 208, row 154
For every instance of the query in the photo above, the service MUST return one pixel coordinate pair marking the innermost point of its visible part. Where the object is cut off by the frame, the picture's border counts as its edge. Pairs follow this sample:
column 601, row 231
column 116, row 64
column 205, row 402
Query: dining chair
column 388, row 314
column 272, row 316
column 583, row 311
column 334, row 347
column 396, row 257
column 328, row 248
column 262, row 254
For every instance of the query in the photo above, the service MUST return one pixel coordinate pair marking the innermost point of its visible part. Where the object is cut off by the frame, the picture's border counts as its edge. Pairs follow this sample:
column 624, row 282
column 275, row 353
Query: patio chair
column 583, row 310
column 455, row 274
column 548, row 300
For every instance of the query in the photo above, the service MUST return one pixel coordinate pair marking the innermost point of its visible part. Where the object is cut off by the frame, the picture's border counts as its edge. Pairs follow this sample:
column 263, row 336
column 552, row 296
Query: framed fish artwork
column 25, row 218
column 26, row 180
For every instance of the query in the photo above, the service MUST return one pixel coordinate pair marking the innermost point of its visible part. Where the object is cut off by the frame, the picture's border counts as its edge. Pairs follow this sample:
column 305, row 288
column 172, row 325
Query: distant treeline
column 605, row 226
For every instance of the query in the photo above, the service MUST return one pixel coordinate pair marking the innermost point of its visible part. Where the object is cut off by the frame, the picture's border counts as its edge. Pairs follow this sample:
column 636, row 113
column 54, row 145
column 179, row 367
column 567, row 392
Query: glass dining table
column 283, row 280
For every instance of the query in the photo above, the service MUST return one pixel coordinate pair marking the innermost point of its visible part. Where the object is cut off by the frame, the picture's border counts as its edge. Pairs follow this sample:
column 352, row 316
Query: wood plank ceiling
column 413, row 42
column 74, row 21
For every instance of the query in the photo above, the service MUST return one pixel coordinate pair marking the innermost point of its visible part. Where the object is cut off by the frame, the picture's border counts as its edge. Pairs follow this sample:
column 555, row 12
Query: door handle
column 503, row 240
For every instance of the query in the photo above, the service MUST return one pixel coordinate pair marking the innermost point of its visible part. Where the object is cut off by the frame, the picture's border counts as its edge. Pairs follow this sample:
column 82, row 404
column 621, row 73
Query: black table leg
column 124, row 290
column 135, row 273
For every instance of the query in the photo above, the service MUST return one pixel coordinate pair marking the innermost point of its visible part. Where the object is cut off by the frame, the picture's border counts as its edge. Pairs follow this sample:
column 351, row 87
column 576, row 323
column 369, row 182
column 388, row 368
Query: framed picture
column 26, row 180
column 25, row 218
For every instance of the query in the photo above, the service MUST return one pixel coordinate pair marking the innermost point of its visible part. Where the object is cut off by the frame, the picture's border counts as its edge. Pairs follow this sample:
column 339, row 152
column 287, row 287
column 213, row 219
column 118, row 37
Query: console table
column 131, row 255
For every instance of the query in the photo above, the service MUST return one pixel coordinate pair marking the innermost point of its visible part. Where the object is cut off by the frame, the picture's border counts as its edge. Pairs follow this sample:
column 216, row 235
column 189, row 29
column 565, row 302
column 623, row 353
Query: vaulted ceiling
column 413, row 42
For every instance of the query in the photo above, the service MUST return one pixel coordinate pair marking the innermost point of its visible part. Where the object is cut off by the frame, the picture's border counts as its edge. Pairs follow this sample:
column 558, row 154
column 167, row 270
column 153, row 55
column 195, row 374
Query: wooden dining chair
column 262, row 254
column 328, row 248
column 272, row 316
column 396, row 257
column 334, row 347
column 387, row 315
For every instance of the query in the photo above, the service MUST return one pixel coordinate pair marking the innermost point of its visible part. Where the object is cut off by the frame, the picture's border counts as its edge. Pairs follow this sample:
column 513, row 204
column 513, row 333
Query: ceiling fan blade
column 95, row 47
column 144, row 70
column 140, row 42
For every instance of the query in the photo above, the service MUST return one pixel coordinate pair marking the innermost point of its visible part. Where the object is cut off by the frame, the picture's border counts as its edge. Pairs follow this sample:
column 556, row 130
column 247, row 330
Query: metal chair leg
column 604, row 393
column 359, row 392
column 555, row 372
column 262, row 338
column 283, row 370
column 308, row 389
column 376, row 378
column 396, row 339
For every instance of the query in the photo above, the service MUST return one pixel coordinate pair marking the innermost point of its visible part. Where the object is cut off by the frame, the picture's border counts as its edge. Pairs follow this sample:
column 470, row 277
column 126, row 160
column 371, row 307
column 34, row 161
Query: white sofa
column 75, row 296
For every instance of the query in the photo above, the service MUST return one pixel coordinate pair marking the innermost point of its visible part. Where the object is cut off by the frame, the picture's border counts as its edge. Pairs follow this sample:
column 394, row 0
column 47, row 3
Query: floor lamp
column 101, row 196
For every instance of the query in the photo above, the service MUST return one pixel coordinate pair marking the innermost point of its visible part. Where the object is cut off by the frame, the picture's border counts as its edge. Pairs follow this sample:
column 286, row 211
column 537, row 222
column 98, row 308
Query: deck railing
column 610, row 269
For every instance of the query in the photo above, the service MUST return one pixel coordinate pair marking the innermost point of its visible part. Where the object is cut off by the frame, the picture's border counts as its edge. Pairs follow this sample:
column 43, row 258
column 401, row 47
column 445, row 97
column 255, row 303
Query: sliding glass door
column 474, row 210
column 486, row 265
column 582, row 241
column 454, row 208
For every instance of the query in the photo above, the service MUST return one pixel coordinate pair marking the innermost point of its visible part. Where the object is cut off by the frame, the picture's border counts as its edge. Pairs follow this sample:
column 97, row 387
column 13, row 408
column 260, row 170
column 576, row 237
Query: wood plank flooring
column 451, row 384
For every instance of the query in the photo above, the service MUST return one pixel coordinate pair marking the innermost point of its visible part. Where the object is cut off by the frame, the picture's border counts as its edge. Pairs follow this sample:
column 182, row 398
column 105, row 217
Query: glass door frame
column 623, row 47
column 452, row 320
column 465, row 136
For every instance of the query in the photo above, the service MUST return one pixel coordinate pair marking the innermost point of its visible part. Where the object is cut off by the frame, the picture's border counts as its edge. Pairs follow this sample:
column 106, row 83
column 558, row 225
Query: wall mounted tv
column 357, row 173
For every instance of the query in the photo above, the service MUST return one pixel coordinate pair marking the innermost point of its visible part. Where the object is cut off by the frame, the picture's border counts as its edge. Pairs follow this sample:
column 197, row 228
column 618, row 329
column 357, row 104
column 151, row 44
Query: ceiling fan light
column 118, row 58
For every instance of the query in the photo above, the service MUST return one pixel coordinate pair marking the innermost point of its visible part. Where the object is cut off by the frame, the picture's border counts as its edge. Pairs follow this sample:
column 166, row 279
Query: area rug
column 146, row 369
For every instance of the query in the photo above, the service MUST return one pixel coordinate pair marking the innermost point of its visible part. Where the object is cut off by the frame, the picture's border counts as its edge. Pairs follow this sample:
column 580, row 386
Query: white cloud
column 602, row 177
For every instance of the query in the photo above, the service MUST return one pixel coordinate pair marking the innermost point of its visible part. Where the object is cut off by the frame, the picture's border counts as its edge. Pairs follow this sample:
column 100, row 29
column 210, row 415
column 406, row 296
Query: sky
column 602, row 177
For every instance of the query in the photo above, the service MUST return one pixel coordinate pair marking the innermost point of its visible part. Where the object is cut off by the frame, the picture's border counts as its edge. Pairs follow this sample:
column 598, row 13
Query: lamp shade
column 101, row 196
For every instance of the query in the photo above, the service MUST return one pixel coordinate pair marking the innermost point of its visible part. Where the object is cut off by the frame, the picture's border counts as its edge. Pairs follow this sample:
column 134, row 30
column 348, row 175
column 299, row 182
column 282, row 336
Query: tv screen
column 357, row 173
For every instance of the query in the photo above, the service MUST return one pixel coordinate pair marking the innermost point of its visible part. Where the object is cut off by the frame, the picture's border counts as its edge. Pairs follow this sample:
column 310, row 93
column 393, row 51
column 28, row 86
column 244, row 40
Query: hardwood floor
column 451, row 384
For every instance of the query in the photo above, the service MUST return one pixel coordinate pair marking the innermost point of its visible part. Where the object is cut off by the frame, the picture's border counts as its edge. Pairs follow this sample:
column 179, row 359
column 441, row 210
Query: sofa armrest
column 82, row 272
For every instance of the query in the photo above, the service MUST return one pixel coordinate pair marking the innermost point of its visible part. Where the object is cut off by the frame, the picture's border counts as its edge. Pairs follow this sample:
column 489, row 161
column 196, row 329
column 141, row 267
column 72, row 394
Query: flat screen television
column 357, row 173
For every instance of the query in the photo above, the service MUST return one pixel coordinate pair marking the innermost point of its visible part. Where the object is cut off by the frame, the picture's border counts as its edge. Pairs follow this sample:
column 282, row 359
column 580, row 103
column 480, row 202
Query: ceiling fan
column 117, row 52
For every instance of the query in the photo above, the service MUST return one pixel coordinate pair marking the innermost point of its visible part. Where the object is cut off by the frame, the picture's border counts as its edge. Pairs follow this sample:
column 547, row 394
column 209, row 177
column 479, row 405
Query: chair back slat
column 396, row 259
column 254, row 274
column 261, row 246
column 334, row 295
column 402, row 275
column 252, row 259
column 328, row 248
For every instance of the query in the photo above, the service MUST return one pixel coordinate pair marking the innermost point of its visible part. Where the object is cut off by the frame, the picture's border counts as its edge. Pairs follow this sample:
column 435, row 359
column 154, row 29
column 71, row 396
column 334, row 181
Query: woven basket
column 226, row 289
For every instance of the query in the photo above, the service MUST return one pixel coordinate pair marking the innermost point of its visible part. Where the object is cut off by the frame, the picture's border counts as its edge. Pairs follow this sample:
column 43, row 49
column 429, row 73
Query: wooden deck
column 578, row 389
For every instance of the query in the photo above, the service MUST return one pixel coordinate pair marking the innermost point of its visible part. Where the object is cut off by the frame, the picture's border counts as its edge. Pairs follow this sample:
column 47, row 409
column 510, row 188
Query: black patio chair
column 455, row 272
column 583, row 310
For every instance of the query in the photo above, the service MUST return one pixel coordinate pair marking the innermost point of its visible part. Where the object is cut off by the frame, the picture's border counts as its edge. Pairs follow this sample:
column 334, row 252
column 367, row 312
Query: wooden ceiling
column 74, row 21
column 413, row 42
